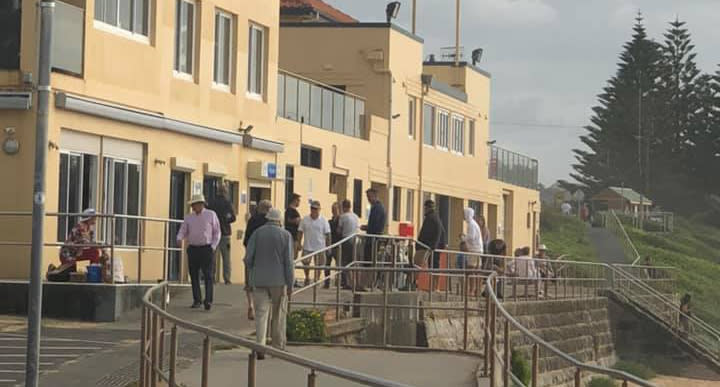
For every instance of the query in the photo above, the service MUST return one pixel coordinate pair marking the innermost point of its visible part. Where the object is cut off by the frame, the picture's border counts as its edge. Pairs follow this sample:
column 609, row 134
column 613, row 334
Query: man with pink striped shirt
column 201, row 230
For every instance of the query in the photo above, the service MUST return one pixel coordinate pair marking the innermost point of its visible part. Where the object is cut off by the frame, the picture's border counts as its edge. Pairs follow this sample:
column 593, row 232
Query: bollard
column 311, row 378
column 507, row 367
column 252, row 363
column 173, row 356
column 535, row 364
column 205, row 362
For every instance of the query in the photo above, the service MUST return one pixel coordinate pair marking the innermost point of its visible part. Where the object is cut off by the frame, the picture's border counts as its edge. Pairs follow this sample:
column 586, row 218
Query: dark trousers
column 332, row 255
column 200, row 258
column 347, row 258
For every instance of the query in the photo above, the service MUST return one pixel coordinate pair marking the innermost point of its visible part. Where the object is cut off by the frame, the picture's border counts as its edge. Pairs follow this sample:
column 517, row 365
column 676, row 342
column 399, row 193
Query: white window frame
column 117, row 30
column 109, row 192
column 458, row 142
column 188, row 76
column 80, row 189
column 433, row 125
column 442, row 130
column 410, row 205
column 230, row 60
column 257, row 94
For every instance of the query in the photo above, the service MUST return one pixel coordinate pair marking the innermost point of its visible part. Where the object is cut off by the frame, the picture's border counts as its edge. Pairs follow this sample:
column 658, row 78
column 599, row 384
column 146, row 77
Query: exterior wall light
column 11, row 145
column 392, row 10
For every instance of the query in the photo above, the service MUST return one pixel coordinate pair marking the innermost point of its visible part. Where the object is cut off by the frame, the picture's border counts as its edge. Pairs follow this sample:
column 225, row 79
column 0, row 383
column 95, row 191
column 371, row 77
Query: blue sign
column 271, row 170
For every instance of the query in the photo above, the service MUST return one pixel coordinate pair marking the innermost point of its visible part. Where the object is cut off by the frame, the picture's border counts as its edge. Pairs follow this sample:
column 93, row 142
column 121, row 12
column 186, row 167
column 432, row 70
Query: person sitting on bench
column 78, row 246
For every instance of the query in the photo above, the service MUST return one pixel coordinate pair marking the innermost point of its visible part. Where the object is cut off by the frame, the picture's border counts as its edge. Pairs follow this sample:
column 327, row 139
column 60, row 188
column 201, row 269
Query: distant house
column 554, row 195
column 312, row 11
column 620, row 199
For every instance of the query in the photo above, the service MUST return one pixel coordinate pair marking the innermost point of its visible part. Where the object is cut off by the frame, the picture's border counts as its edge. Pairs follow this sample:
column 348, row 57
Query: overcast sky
column 548, row 58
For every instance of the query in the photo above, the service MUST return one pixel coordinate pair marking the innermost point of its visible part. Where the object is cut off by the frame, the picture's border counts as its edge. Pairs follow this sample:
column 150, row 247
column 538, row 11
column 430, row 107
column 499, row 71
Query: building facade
column 155, row 101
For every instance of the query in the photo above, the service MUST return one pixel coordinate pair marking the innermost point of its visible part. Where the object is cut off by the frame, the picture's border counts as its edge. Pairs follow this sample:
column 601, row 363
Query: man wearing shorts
column 314, row 231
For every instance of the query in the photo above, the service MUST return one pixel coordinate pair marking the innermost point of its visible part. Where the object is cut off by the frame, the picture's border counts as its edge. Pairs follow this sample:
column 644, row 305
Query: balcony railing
column 513, row 168
column 322, row 106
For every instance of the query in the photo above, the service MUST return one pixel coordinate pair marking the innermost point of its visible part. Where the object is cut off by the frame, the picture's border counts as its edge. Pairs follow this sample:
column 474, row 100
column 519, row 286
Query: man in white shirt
column 348, row 224
column 314, row 231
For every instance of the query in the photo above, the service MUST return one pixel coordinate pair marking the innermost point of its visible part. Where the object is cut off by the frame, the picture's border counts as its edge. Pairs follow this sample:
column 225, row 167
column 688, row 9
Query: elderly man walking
column 269, row 259
column 256, row 221
column 201, row 230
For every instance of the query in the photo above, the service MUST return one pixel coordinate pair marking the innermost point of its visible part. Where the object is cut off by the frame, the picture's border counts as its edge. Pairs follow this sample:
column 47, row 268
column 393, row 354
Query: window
column 281, row 95
column 289, row 182
column 357, row 197
column 338, row 112
column 210, row 187
column 397, row 199
column 77, row 188
column 303, row 101
column 184, row 36
column 256, row 60
column 471, row 137
column 443, row 123
column 122, row 196
column 411, row 118
column 316, row 106
column 477, row 206
column 128, row 15
column 222, row 71
column 410, row 205
column 458, row 139
column 10, row 22
column 327, row 108
column 428, row 124
column 291, row 98
column 310, row 157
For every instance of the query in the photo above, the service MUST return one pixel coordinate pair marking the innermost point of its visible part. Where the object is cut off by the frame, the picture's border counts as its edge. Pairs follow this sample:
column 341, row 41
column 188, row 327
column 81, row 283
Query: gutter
column 335, row 164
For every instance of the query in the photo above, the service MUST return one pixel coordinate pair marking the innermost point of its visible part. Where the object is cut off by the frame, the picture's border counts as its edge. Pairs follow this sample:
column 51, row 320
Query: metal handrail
column 636, row 255
column 663, row 298
column 313, row 365
column 579, row 365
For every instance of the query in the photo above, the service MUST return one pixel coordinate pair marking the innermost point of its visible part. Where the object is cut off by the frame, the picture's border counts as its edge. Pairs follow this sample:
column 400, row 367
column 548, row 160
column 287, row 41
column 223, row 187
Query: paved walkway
column 229, row 368
column 607, row 247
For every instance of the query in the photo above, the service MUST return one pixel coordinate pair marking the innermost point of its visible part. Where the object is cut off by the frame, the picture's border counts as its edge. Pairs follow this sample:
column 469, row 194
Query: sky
column 549, row 59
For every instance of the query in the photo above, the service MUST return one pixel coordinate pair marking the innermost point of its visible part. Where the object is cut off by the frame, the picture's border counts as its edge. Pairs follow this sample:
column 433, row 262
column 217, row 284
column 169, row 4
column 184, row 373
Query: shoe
column 208, row 306
column 251, row 314
column 346, row 287
column 326, row 286
column 260, row 356
column 228, row 283
column 196, row 305
column 307, row 282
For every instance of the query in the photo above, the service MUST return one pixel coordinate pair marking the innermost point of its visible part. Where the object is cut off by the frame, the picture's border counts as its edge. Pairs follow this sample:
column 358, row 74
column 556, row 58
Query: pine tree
column 626, row 106
column 704, row 138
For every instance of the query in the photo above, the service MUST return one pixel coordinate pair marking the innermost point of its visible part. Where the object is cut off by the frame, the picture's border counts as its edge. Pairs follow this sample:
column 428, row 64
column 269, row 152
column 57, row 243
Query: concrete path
column 229, row 368
column 607, row 247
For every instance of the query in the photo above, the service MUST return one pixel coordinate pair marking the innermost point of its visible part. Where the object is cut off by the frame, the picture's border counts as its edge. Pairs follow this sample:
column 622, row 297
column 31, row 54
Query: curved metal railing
column 154, row 326
column 496, row 306
column 618, row 228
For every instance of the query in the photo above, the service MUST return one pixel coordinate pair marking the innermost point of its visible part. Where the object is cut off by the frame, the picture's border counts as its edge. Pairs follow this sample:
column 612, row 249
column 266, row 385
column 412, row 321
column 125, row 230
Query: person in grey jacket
column 269, row 259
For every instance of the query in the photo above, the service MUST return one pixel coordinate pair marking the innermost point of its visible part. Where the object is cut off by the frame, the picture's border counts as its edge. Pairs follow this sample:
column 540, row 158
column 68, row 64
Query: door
column 178, row 197
column 443, row 205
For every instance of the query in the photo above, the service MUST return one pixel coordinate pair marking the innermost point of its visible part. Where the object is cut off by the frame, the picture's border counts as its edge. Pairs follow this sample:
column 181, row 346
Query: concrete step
column 523, row 308
column 559, row 319
column 600, row 329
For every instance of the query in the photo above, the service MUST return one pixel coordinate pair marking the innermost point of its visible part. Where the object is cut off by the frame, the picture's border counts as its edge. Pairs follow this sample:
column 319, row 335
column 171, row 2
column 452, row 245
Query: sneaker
column 260, row 356
column 208, row 306
column 326, row 286
column 196, row 305
column 307, row 282
column 228, row 282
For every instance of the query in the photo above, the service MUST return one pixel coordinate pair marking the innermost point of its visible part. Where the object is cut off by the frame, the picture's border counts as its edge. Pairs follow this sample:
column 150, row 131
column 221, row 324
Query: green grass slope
column 694, row 248
column 565, row 235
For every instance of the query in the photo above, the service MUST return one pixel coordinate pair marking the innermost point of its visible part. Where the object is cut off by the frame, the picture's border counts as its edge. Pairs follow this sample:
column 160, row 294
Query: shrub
column 520, row 367
column 306, row 326
column 640, row 370
column 601, row 382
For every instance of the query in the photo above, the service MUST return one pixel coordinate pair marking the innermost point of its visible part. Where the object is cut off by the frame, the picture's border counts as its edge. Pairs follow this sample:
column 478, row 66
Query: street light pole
column 32, row 361
column 457, row 33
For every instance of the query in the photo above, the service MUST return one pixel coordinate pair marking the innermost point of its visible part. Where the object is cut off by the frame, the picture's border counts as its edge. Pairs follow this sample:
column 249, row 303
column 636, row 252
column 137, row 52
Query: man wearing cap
column 269, row 259
column 201, row 230
column 314, row 231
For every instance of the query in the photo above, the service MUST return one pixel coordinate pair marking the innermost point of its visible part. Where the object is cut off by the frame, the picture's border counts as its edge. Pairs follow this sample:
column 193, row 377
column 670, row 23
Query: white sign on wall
column 197, row 187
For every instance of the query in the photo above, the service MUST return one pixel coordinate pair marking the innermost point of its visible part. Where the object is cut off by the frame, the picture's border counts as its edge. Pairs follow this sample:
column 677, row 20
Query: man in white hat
column 269, row 260
column 201, row 230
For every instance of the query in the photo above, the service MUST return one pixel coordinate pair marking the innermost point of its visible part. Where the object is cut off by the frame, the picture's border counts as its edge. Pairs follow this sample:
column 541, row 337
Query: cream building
column 155, row 100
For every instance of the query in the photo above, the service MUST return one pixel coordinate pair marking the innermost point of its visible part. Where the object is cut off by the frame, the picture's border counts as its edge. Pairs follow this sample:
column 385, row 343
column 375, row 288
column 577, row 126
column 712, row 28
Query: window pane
column 315, row 106
column 303, row 101
column 125, row 11
column 397, row 193
column 227, row 49
column 111, row 15
column 223, row 31
column 133, row 203
column 189, row 38
column 471, row 138
column 217, row 58
column 260, row 59
column 411, row 118
column 140, row 22
column 252, row 69
column 428, row 121
column 357, row 197
column 410, row 206
column 118, row 199
column 100, row 10
column 281, row 95
column 74, row 188
column 360, row 118
column 291, row 98
column 62, row 197
column 89, row 194
column 350, row 116
column 327, row 109
column 338, row 112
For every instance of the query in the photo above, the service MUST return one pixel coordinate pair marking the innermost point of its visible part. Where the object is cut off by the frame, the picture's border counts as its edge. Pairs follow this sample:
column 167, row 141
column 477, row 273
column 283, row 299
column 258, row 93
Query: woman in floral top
column 76, row 245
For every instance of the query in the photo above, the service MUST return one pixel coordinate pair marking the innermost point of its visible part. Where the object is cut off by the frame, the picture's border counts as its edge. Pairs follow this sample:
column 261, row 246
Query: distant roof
column 327, row 11
column 630, row 195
